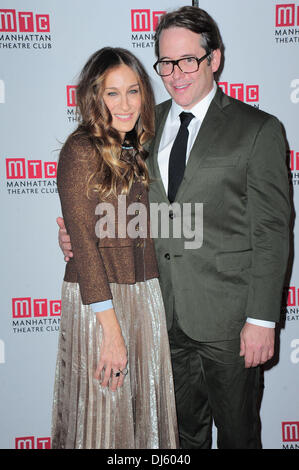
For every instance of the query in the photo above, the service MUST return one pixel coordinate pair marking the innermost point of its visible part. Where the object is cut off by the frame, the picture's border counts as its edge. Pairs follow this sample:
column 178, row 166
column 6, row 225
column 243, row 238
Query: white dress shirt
column 172, row 125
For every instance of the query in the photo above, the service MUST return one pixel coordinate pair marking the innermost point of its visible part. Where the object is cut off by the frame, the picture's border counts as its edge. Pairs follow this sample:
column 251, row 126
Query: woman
column 113, row 386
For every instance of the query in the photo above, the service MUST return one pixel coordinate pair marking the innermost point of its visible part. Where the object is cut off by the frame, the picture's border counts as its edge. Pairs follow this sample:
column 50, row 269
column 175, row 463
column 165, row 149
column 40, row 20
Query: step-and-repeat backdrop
column 43, row 46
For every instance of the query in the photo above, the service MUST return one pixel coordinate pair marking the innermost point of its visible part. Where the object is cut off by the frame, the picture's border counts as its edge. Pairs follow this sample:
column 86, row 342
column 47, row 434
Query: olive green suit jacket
column 237, row 171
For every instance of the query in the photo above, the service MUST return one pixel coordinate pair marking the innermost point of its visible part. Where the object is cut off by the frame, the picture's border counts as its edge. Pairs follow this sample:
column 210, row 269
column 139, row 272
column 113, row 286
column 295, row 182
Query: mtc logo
column 287, row 15
column 23, row 21
column 248, row 93
column 19, row 168
column 293, row 297
column 290, row 431
column 145, row 20
column 71, row 95
column 25, row 307
column 28, row 442
column 294, row 166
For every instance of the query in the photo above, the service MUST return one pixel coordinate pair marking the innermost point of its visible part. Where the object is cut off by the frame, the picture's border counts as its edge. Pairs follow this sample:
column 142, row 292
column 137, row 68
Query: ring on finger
column 124, row 371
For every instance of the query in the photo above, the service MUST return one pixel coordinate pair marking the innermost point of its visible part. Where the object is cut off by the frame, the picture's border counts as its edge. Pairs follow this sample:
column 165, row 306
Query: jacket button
column 167, row 256
column 171, row 214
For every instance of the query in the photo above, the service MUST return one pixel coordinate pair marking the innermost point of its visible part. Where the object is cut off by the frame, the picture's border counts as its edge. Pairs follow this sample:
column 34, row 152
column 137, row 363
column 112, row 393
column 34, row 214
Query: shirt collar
column 199, row 110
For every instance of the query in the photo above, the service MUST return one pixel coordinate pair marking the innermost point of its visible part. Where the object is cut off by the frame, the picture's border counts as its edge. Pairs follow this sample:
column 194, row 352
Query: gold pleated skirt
column 139, row 415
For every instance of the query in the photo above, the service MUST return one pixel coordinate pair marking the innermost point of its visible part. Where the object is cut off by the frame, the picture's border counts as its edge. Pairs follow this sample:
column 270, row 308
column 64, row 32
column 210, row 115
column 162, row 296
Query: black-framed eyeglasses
column 186, row 65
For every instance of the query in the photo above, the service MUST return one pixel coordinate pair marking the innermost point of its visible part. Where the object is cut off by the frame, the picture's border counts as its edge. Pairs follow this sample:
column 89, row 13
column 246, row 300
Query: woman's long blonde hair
column 113, row 173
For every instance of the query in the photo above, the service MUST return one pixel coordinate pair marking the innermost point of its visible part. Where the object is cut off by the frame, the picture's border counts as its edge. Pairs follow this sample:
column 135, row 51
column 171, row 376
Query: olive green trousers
column 212, row 383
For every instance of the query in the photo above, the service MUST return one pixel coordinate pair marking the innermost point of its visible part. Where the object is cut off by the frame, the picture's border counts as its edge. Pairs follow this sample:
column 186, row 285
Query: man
column 222, row 300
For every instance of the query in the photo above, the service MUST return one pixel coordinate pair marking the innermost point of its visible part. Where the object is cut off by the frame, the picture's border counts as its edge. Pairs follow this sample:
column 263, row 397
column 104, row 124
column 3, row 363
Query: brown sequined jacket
column 98, row 261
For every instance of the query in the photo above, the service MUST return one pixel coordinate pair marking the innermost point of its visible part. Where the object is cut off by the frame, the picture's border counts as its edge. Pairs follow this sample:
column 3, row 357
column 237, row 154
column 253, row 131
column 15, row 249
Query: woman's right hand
column 113, row 357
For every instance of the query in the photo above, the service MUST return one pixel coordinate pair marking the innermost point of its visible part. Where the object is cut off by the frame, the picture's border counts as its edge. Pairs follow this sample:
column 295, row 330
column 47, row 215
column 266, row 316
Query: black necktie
column 177, row 158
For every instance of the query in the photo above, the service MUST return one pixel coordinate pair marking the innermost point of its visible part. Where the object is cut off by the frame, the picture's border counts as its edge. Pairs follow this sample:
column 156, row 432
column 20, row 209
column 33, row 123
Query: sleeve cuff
column 101, row 306
column 265, row 323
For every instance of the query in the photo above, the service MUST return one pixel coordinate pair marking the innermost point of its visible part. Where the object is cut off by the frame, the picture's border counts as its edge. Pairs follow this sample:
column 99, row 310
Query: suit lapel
column 153, row 157
column 212, row 124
